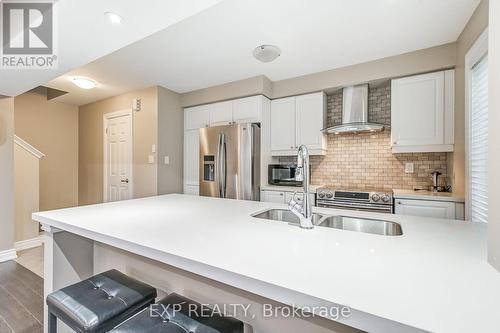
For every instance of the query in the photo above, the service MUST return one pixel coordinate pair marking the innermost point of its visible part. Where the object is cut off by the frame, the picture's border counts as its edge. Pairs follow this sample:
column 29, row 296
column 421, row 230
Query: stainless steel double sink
column 370, row 226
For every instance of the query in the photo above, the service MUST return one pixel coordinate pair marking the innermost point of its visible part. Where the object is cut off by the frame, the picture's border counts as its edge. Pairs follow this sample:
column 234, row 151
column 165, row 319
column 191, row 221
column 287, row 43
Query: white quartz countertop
column 433, row 278
column 427, row 195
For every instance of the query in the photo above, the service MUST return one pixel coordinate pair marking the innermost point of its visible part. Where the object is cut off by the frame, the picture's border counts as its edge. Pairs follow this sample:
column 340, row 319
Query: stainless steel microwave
column 282, row 175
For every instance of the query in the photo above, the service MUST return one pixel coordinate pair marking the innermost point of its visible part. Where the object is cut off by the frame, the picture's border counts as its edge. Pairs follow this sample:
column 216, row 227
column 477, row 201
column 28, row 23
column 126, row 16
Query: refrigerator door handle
column 221, row 165
column 218, row 165
column 224, row 166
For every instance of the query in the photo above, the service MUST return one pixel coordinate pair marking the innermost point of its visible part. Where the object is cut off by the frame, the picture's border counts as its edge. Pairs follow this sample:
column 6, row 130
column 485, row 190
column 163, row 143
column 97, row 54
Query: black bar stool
column 99, row 303
column 178, row 314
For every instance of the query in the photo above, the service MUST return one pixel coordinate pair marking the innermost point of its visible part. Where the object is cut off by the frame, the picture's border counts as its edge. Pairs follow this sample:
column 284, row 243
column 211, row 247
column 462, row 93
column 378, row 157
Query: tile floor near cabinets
column 21, row 299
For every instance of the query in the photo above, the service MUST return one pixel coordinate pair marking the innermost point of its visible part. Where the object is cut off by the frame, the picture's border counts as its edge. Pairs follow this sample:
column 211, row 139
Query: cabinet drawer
column 436, row 209
column 272, row 196
column 192, row 189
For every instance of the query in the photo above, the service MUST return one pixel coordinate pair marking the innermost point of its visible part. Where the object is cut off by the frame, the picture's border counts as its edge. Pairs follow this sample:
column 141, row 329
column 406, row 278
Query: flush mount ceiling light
column 266, row 53
column 114, row 18
column 83, row 82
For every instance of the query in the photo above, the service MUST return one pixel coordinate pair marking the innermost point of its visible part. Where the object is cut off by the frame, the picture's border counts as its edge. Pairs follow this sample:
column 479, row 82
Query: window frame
column 475, row 54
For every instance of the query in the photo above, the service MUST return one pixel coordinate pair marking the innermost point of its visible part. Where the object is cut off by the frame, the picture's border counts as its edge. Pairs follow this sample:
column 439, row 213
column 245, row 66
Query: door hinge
column 106, row 130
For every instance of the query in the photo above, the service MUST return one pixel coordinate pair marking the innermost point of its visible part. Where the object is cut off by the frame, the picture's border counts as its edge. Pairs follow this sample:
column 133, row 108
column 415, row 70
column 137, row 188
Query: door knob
column 124, row 180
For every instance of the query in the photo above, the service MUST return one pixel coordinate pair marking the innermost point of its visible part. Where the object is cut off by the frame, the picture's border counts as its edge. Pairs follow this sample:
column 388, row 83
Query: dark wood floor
column 21, row 299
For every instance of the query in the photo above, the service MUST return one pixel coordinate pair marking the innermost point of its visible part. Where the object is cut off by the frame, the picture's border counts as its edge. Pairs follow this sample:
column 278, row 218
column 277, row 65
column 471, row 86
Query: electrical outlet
column 409, row 168
column 153, row 148
column 151, row 159
column 166, row 160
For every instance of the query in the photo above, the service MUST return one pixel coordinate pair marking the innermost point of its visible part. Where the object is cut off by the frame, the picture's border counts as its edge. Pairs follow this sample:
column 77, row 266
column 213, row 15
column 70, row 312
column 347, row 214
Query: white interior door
column 118, row 156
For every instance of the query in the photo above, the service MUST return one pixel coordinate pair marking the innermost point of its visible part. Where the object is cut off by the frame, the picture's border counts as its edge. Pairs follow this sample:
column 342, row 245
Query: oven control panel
column 372, row 200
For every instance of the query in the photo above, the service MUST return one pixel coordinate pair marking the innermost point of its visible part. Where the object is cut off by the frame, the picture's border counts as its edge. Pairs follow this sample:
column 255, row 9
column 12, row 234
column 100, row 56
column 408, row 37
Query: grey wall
column 427, row 60
column 6, row 173
column 258, row 85
column 494, row 135
column 170, row 141
column 476, row 25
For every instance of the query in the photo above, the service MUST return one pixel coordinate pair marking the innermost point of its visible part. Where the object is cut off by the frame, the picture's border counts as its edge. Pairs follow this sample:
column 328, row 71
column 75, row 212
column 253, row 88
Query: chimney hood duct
column 355, row 112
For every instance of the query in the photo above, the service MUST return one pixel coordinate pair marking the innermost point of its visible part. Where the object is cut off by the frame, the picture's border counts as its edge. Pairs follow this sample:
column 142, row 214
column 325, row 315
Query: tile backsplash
column 365, row 160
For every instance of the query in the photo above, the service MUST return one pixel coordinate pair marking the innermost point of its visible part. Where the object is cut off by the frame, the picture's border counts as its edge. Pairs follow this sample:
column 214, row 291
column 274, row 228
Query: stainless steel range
column 376, row 201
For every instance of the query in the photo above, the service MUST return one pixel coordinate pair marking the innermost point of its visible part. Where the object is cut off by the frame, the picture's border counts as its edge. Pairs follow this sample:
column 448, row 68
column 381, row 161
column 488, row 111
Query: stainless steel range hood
column 355, row 112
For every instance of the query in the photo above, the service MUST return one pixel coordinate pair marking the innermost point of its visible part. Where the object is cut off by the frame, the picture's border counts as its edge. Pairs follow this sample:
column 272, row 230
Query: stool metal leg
column 52, row 323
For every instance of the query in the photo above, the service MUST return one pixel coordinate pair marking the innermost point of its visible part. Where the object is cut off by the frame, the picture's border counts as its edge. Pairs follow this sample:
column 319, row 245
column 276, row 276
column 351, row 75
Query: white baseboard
column 28, row 243
column 8, row 255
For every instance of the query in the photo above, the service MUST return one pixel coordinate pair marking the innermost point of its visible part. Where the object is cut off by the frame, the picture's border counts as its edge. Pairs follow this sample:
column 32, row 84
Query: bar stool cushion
column 100, row 302
column 178, row 314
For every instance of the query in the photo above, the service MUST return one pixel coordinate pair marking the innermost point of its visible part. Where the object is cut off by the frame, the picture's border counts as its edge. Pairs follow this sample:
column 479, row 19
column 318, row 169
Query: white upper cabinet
column 248, row 110
column 196, row 117
column 282, row 124
column 221, row 113
column 243, row 110
column 422, row 109
column 310, row 117
column 298, row 121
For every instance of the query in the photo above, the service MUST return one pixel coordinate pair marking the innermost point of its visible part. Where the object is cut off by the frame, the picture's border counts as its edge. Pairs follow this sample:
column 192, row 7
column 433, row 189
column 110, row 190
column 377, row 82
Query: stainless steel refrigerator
column 230, row 161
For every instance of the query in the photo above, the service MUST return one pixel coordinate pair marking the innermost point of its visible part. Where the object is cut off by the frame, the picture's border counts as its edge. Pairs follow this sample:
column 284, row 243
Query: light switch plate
column 153, row 148
column 166, row 160
column 136, row 104
column 409, row 168
column 151, row 159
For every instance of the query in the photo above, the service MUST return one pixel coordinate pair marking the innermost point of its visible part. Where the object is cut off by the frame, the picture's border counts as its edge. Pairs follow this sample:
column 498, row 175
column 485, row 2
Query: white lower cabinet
column 192, row 189
column 191, row 157
column 428, row 208
column 282, row 196
column 272, row 196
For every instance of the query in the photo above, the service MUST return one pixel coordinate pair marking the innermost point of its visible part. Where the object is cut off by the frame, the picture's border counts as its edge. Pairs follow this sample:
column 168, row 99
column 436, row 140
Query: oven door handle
column 356, row 205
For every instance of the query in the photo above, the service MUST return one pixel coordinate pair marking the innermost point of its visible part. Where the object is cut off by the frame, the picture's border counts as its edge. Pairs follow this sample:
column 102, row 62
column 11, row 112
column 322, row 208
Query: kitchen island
column 432, row 278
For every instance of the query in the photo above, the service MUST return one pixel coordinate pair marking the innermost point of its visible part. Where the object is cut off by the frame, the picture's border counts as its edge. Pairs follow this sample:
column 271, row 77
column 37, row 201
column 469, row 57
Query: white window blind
column 479, row 142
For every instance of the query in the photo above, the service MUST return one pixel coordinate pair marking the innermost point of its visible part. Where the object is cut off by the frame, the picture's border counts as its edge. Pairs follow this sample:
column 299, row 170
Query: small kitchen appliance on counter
column 371, row 201
column 439, row 184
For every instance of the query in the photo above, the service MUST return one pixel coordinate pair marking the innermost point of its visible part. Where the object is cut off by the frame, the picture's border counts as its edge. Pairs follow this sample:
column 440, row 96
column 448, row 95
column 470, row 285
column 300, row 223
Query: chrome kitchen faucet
column 302, row 210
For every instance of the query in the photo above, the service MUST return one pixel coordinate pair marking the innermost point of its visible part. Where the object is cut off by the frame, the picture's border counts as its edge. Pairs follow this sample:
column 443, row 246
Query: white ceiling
column 215, row 46
column 84, row 34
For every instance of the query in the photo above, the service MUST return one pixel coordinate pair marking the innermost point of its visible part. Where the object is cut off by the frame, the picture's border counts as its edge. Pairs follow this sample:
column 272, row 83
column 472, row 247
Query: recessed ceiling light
column 113, row 17
column 266, row 53
column 83, row 82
